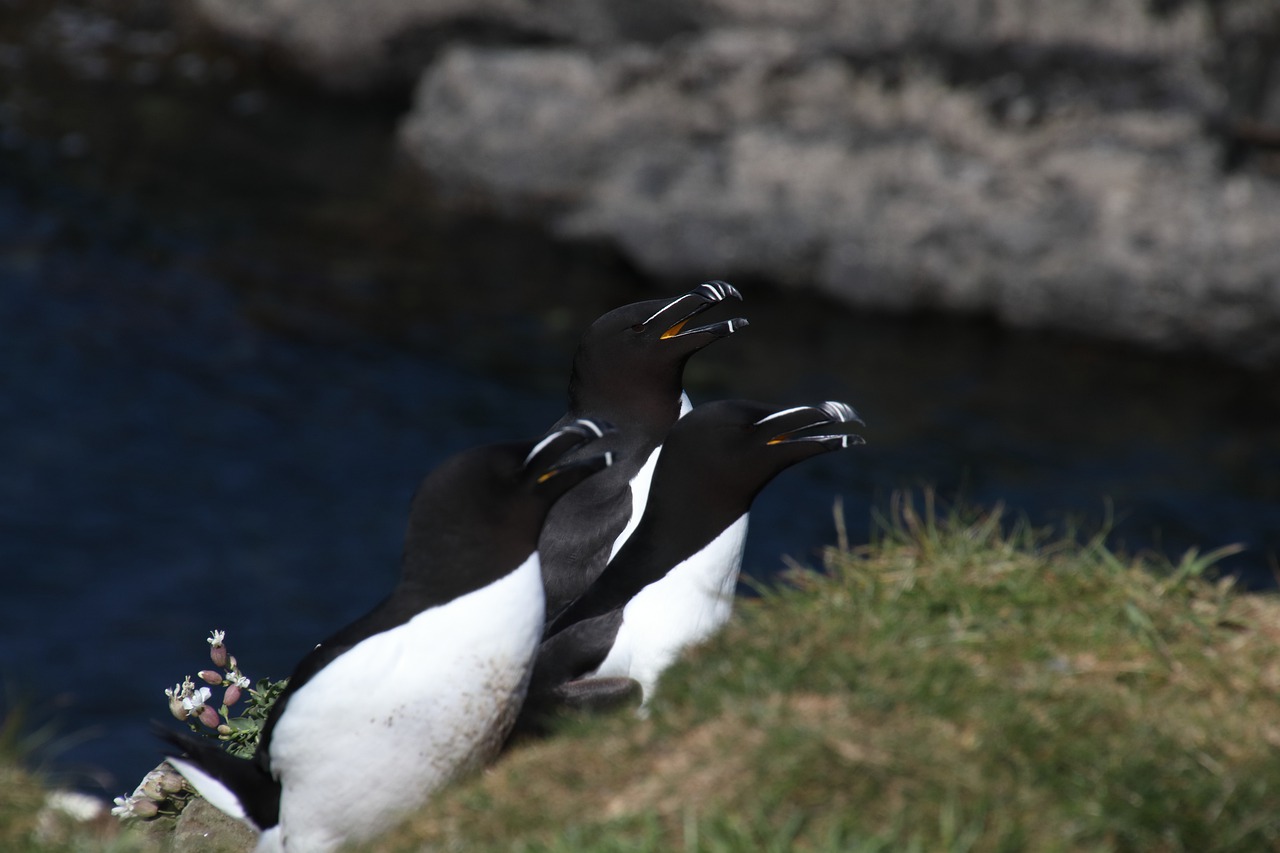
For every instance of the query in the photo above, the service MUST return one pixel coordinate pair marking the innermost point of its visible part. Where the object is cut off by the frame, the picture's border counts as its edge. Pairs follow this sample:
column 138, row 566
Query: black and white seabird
column 628, row 369
column 426, row 685
column 672, row 584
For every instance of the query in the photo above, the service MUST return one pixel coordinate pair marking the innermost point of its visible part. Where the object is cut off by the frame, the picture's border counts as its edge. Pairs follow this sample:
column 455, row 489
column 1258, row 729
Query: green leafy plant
column 162, row 791
column 246, row 729
column 193, row 705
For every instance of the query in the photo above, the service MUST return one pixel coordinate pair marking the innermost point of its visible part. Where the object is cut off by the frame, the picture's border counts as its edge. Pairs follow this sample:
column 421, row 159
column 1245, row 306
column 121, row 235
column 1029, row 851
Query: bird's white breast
column 371, row 735
column 639, row 487
column 682, row 608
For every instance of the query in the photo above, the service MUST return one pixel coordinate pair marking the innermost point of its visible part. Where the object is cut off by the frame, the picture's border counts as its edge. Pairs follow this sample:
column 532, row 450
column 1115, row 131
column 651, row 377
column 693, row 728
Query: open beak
column 830, row 424
column 590, row 465
column 548, row 456
column 673, row 318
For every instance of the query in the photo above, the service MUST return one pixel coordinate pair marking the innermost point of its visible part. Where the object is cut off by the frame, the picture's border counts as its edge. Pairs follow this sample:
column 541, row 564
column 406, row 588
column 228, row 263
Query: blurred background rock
column 1093, row 166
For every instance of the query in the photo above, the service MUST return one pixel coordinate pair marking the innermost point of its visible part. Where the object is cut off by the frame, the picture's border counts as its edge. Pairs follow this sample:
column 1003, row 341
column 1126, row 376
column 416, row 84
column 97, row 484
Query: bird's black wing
column 248, row 779
column 562, row 660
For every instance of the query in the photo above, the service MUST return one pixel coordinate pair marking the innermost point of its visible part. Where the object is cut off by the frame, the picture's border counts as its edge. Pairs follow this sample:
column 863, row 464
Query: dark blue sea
column 232, row 340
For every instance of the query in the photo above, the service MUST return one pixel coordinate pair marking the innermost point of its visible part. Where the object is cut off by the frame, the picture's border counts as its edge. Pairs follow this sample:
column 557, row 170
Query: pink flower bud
column 209, row 676
column 232, row 696
column 150, row 788
column 171, row 783
column 224, row 729
column 145, row 809
column 175, row 708
column 218, row 654
column 209, row 717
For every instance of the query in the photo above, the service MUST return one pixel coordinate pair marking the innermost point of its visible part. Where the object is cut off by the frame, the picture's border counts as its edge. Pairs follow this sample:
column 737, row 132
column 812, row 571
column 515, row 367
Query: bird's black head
column 714, row 461
column 630, row 362
column 727, row 451
column 485, row 507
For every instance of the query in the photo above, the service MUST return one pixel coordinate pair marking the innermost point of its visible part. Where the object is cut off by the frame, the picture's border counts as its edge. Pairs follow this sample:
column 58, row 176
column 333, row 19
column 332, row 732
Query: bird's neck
column 655, row 404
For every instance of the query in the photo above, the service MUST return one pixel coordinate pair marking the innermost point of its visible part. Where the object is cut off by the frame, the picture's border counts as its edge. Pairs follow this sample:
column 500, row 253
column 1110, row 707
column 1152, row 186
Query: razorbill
column 426, row 685
column 628, row 369
column 672, row 584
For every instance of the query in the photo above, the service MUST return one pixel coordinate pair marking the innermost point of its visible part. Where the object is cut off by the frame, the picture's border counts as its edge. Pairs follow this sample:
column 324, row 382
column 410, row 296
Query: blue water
column 223, row 376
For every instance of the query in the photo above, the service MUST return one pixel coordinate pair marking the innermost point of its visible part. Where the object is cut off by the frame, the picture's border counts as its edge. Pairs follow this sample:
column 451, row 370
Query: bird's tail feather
column 243, row 788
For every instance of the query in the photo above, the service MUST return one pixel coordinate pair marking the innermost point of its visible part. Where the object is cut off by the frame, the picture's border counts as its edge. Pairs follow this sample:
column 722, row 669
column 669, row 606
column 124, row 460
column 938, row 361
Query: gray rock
column 201, row 826
column 357, row 46
column 351, row 46
column 1041, row 161
column 760, row 153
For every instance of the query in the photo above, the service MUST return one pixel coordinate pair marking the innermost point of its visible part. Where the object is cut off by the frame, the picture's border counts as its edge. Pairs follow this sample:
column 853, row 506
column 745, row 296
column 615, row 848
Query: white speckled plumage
column 403, row 712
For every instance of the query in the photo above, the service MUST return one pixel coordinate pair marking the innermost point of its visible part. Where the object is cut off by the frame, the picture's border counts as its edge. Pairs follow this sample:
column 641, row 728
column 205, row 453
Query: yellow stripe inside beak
column 674, row 330
column 548, row 475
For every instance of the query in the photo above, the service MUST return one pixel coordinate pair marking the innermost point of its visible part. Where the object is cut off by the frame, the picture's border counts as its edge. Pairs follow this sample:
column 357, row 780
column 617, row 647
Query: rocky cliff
column 1068, row 165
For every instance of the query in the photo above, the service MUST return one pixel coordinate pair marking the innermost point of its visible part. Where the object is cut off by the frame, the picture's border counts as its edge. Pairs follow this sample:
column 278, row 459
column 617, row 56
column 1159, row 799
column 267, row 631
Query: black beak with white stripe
column 830, row 425
column 630, row 362
column 672, row 319
column 553, row 474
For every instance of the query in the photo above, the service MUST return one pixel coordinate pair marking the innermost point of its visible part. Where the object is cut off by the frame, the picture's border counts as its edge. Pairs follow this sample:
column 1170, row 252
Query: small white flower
column 180, row 691
column 217, row 648
column 176, row 696
column 123, row 807
column 196, row 700
column 237, row 679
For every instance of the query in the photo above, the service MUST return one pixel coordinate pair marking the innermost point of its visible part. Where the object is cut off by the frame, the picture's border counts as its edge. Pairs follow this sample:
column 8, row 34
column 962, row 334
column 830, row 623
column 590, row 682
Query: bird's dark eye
column 638, row 327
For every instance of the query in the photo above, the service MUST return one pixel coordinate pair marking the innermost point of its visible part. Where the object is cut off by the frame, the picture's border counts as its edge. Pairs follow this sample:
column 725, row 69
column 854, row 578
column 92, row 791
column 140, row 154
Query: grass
column 27, row 827
column 26, row 748
column 956, row 686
